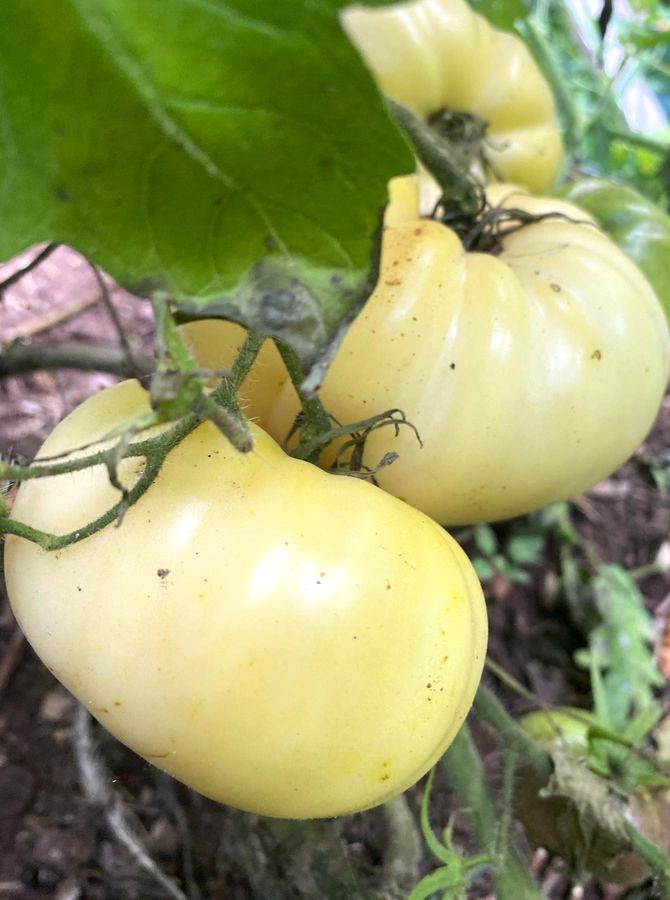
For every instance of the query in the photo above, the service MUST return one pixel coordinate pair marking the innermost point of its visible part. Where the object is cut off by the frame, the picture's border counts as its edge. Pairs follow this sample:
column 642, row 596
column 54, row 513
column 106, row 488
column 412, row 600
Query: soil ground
column 57, row 836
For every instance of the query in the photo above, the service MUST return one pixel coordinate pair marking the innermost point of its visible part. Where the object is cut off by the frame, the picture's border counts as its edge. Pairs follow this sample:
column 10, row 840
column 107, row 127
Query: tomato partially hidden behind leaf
column 430, row 55
column 292, row 643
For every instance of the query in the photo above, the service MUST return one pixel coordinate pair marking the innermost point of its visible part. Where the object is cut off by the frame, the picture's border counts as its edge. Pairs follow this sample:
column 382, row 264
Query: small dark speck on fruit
column 429, row 685
column 555, row 287
column 452, row 366
column 388, row 585
column 162, row 573
column 385, row 777
column 596, row 355
column 117, row 703
column 78, row 588
column 418, row 231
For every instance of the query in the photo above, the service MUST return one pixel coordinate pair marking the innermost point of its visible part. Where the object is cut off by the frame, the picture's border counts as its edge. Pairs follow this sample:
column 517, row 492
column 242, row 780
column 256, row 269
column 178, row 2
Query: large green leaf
column 232, row 152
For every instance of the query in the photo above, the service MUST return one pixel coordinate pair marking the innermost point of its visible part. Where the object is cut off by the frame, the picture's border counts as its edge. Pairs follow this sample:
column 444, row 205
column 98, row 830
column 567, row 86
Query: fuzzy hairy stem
column 220, row 406
column 492, row 711
column 316, row 419
column 512, row 879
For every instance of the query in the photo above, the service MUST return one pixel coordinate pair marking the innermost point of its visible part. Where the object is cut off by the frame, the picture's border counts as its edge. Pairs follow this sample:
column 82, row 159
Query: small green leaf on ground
column 623, row 669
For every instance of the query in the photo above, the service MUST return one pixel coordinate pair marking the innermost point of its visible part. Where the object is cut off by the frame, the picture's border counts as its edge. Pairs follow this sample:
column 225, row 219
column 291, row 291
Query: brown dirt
column 55, row 841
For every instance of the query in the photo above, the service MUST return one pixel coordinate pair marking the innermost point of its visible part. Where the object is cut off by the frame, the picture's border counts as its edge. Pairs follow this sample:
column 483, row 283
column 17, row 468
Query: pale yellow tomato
column 430, row 55
column 286, row 641
column 530, row 374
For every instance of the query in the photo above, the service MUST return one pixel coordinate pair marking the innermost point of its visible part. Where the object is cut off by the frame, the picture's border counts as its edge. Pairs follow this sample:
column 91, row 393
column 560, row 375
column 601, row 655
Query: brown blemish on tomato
column 556, row 288
column 596, row 355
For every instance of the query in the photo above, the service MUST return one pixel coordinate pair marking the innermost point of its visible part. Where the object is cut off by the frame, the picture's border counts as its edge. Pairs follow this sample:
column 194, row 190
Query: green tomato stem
column 511, row 876
column 154, row 451
column 442, row 161
column 492, row 711
column 655, row 858
column 220, row 407
column 316, row 419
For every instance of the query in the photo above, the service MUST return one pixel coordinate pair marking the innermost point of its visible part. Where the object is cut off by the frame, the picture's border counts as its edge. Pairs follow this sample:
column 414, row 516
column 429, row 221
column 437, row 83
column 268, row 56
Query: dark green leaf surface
column 232, row 152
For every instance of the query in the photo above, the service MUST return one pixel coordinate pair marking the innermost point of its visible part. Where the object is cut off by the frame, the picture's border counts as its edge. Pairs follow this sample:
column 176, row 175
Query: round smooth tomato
column 289, row 642
column 530, row 374
column 430, row 55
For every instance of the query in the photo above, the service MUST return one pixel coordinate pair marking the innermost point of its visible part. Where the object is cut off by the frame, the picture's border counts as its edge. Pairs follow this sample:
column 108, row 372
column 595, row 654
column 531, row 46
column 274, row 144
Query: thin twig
column 96, row 784
column 16, row 276
column 20, row 358
column 11, row 658
column 55, row 315
column 166, row 789
column 113, row 315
